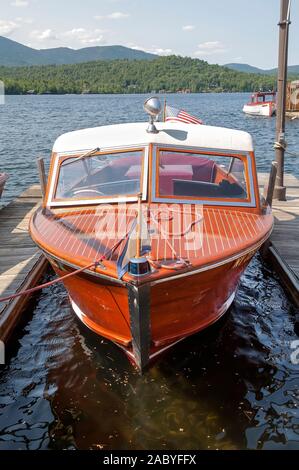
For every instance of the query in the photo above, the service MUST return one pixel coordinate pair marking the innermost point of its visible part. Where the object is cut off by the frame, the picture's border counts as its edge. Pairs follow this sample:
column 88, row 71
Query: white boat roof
column 170, row 133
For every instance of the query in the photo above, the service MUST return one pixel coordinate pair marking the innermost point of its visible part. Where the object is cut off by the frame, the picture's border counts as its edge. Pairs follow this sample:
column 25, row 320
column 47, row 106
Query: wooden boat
column 171, row 216
column 261, row 104
column 3, row 179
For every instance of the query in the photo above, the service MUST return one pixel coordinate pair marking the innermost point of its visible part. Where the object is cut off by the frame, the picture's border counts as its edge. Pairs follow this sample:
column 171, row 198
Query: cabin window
column 200, row 176
column 100, row 175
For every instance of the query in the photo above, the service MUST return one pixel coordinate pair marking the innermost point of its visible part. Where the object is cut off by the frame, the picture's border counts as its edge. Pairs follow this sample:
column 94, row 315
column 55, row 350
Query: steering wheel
column 101, row 158
column 90, row 192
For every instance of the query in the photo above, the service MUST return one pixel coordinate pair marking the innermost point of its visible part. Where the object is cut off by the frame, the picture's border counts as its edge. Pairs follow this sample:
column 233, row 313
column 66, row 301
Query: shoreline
column 134, row 94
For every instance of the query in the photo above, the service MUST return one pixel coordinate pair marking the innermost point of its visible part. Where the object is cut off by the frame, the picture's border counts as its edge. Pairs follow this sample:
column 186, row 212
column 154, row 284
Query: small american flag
column 174, row 114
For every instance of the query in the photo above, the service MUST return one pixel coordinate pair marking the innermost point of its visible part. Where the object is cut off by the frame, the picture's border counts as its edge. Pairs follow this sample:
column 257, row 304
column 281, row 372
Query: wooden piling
column 271, row 184
column 42, row 175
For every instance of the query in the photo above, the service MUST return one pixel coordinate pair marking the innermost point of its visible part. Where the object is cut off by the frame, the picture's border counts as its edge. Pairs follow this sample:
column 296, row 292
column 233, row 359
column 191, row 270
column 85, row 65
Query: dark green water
column 231, row 387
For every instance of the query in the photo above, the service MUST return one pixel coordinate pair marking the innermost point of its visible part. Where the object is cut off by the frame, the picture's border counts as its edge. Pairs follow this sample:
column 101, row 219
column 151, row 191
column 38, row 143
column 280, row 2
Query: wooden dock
column 283, row 250
column 21, row 263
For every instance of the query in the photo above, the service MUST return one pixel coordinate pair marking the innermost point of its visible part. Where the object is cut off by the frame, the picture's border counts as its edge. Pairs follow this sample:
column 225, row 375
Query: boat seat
column 205, row 170
column 169, row 173
column 184, row 166
column 224, row 189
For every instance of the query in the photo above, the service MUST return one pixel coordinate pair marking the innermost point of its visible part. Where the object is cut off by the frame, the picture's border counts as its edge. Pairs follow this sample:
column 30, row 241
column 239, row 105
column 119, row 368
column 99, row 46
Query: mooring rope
column 279, row 145
column 180, row 262
column 62, row 278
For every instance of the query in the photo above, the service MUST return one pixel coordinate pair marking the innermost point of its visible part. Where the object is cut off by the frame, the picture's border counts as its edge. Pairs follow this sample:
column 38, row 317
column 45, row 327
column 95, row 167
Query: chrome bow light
column 152, row 107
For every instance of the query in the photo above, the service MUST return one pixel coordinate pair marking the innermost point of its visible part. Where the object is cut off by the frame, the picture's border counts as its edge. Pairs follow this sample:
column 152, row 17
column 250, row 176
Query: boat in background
column 261, row 104
column 151, row 227
column 3, row 179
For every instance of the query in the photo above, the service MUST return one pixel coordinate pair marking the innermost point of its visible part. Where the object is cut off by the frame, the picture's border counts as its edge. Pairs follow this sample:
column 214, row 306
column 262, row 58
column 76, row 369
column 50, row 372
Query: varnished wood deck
column 21, row 263
column 284, row 247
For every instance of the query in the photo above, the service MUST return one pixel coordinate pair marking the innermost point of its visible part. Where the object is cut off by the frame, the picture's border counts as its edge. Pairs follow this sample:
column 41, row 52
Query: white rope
column 278, row 145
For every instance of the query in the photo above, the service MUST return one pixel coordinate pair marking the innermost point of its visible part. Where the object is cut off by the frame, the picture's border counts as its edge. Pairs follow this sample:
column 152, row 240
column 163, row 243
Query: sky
column 218, row 31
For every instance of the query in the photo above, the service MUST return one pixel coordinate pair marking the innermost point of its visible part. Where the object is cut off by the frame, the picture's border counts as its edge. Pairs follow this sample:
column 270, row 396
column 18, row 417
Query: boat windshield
column 201, row 176
column 263, row 98
column 100, row 176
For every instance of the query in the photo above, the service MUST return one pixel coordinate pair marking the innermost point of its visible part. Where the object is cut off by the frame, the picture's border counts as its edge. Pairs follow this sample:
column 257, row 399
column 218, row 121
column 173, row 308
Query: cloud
column 160, row 51
column 117, row 15
column 47, row 34
column 7, row 27
column 19, row 3
column 210, row 48
column 188, row 27
column 75, row 32
column 20, row 19
column 151, row 50
column 91, row 41
column 85, row 36
column 132, row 45
column 76, row 36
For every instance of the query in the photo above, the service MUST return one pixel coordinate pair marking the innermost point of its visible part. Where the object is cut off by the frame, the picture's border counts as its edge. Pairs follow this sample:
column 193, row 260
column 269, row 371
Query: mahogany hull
column 178, row 306
column 146, row 315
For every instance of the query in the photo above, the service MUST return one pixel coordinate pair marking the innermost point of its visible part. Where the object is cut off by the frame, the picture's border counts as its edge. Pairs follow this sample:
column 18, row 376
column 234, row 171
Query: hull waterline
column 146, row 320
column 155, row 352
column 267, row 109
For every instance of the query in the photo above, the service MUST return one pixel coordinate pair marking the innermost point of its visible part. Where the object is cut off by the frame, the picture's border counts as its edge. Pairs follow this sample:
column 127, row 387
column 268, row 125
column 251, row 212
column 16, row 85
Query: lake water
column 234, row 386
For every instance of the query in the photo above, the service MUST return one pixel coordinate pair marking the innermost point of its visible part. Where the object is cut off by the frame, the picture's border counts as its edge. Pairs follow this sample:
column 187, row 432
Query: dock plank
column 22, row 263
column 284, row 249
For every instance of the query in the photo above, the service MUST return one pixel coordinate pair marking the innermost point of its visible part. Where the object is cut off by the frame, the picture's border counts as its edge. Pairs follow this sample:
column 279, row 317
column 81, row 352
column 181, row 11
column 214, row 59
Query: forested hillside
column 167, row 74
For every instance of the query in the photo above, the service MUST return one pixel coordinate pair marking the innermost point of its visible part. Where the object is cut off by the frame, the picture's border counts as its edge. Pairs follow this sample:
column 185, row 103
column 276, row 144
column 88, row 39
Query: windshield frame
column 60, row 158
column 250, row 201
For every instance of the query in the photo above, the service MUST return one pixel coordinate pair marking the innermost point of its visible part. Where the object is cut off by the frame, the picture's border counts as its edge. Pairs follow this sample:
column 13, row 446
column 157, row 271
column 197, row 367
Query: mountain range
column 292, row 69
column 14, row 54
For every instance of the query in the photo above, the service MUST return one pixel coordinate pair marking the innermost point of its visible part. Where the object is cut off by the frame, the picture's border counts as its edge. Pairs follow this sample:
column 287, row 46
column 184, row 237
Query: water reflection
column 230, row 387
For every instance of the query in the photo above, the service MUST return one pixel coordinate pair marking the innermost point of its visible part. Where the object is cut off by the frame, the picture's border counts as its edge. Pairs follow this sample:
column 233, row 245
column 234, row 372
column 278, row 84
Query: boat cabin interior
column 263, row 97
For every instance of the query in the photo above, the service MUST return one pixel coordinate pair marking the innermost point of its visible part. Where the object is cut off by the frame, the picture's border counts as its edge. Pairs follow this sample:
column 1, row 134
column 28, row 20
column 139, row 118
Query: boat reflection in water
column 163, row 218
